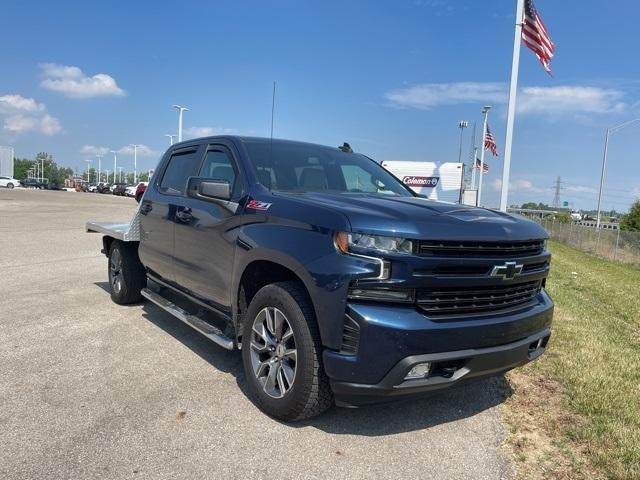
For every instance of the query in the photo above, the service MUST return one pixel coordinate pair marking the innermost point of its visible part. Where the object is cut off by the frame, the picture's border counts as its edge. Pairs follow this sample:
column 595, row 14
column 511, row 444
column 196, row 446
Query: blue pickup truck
column 339, row 285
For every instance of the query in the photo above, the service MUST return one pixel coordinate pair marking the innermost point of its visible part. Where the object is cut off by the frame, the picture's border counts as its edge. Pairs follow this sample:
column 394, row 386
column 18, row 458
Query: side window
column 218, row 165
column 357, row 179
column 180, row 167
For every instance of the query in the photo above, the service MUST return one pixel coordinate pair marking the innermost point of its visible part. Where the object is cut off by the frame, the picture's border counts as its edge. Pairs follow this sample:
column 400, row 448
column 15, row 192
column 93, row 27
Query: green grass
column 595, row 355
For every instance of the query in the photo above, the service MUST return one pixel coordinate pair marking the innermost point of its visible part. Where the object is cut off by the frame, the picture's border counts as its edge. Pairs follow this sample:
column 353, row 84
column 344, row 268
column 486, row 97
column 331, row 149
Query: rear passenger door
column 206, row 231
column 158, row 210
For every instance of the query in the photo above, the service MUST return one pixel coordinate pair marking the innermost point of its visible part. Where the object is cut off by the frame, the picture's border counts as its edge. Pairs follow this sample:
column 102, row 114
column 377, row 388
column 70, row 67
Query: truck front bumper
column 394, row 339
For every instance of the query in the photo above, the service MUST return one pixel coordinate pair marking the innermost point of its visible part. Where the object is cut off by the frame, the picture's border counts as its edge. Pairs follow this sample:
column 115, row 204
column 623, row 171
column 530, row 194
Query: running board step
column 212, row 332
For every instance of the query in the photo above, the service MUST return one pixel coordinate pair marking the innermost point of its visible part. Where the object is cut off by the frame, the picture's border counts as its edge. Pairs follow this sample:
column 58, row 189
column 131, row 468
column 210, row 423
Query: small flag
column 485, row 167
column 490, row 143
column 536, row 37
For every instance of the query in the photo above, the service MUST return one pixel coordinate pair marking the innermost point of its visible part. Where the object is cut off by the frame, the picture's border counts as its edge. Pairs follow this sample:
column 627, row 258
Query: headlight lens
column 360, row 241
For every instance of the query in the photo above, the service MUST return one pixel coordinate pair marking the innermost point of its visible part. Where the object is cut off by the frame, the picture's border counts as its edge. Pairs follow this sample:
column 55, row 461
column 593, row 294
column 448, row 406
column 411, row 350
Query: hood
column 419, row 218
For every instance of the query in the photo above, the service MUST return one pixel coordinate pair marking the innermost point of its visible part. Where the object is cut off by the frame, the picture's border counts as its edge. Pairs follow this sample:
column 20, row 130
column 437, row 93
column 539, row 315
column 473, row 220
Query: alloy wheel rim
column 273, row 352
column 115, row 264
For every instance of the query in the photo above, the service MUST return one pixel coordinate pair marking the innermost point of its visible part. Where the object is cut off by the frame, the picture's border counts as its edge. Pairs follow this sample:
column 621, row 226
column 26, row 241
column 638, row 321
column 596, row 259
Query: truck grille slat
column 474, row 301
column 479, row 249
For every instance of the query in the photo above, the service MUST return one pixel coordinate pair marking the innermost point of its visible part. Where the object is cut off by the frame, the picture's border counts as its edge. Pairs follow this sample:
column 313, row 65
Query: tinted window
column 179, row 168
column 219, row 166
column 301, row 167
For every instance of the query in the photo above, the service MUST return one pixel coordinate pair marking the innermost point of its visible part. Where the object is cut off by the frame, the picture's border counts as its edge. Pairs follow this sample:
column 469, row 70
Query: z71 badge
column 258, row 205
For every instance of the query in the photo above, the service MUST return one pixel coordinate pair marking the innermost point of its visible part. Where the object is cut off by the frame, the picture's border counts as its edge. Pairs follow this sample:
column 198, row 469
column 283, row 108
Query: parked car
column 334, row 280
column 9, row 182
column 120, row 189
column 103, row 188
column 93, row 188
column 140, row 189
column 54, row 186
column 34, row 183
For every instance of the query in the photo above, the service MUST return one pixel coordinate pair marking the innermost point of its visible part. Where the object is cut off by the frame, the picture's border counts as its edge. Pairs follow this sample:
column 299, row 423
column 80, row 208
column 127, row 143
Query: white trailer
column 437, row 182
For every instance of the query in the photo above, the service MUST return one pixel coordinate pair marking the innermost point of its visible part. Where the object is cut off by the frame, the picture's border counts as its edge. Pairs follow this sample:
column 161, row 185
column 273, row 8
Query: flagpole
column 511, row 109
column 485, row 112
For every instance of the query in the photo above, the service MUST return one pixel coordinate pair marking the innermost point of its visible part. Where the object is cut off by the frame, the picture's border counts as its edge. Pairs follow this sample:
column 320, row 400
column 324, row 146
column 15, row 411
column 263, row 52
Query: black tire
column 310, row 393
column 10, row 185
column 126, row 273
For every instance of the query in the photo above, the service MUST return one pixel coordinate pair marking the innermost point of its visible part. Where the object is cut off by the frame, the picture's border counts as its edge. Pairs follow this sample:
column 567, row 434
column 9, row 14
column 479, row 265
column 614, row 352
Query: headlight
column 349, row 242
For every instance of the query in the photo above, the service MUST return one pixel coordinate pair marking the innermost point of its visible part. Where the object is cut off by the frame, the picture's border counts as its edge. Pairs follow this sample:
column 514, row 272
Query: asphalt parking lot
column 90, row 389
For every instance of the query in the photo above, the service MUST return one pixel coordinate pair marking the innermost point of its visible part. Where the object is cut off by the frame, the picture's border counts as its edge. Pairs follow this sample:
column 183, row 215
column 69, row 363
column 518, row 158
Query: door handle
column 146, row 208
column 185, row 215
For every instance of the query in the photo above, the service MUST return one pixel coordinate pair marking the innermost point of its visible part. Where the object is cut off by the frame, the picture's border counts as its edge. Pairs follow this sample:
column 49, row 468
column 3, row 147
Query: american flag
column 490, row 143
column 536, row 37
column 485, row 167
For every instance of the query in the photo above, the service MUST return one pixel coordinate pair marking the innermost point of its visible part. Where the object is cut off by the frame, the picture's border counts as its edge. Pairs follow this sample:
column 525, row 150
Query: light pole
column 604, row 159
column 485, row 112
column 461, row 125
column 181, row 110
column 120, row 176
column 99, row 167
column 171, row 137
column 115, row 165
column 135, row 162
column 89, row 162
column 107, row 172
column 42, row 171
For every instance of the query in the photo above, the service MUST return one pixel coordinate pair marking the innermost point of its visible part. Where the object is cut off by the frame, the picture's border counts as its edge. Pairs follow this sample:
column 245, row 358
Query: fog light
column 421, row 370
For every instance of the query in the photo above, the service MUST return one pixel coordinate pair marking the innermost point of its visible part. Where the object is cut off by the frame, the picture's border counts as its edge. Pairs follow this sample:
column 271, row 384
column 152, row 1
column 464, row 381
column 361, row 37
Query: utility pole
column 181, row 110
column 135, row 158
column 557, row 202
column 485, row 112
column 115, row 163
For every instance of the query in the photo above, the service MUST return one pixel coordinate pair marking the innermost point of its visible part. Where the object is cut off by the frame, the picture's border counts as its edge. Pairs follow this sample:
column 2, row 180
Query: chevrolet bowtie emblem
column 508, row 271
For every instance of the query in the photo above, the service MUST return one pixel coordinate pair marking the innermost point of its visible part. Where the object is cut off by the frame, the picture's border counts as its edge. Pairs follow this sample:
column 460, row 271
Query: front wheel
column 10, row 185
column 282, row 354
column 126, row 273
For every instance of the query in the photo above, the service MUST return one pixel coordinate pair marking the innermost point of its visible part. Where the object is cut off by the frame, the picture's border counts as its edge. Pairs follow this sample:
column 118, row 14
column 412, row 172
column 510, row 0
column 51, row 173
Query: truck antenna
column 273, row 107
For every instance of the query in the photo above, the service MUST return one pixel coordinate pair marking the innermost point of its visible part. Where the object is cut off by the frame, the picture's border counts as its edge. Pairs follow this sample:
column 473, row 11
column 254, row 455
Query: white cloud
column 521, row 185
column 580, row 189
column 21, row 114
column 196, row 132
column 93, row 150
column 72, row 82
column 429, row 95
column 143, row 151
column 568, row 99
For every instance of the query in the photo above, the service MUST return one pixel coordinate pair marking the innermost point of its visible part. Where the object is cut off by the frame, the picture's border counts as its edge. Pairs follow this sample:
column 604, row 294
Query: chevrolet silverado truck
column 338, row 284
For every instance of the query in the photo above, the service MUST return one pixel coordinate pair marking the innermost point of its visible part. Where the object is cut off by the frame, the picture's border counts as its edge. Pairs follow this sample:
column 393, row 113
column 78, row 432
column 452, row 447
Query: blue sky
column 392, row 78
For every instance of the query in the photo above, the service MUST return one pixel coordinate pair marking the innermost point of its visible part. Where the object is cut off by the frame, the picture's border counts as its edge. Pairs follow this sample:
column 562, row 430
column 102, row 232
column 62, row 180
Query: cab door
column 158, row 210
column 206, row 232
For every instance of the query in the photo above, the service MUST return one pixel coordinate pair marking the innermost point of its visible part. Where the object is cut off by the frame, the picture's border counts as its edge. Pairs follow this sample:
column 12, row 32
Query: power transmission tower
column 556, row 198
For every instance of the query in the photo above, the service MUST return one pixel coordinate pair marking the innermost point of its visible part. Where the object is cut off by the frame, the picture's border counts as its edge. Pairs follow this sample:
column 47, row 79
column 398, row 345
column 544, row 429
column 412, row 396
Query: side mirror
column 200, row 187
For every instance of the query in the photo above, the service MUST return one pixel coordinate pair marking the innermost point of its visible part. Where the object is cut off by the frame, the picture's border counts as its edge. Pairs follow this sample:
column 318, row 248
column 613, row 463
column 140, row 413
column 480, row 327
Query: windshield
column 300, row 167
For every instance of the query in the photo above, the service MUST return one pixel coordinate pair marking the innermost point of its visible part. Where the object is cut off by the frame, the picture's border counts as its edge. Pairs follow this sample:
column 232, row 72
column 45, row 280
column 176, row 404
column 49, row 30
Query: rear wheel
column 126, row 273
column 10, row 185
column 282, row 354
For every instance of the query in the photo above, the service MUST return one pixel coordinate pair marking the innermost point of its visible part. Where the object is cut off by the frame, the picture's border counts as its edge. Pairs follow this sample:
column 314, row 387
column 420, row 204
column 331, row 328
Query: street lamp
column 461, row 125
column 115, row 165
column 89, row 162
column 120, row 176
column 181, row 110
column 135, row 162
column 604, row 159
column 171, row 137
column 485, row 112
column 99, row 167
